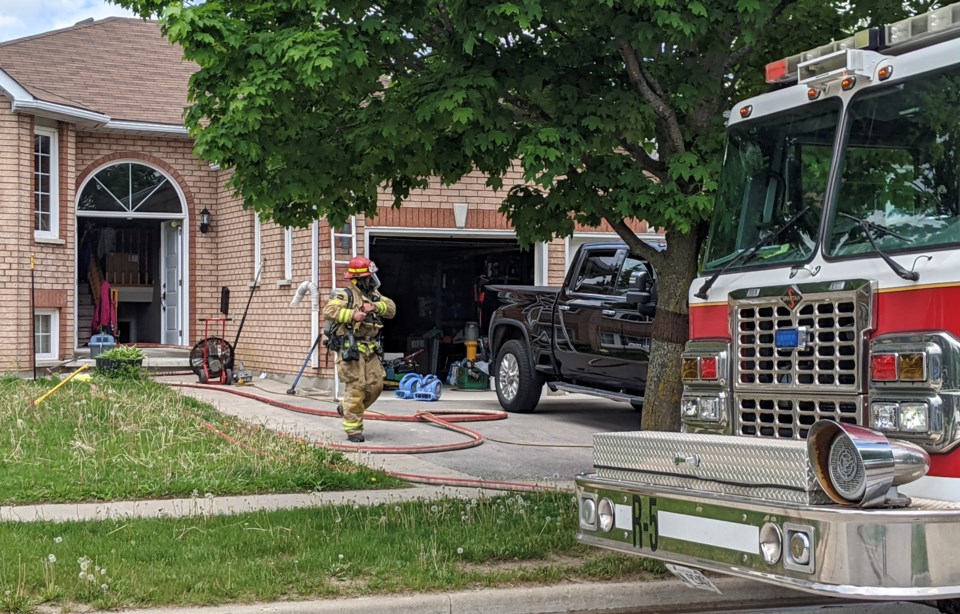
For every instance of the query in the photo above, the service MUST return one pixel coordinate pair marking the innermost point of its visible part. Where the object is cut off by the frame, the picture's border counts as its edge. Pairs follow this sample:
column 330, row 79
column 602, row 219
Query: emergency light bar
column 840, row 58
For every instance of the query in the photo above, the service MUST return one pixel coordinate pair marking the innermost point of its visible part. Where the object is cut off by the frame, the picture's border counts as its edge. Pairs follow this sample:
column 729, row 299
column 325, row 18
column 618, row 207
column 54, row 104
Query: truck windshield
column 900, row 170
column 773, row 167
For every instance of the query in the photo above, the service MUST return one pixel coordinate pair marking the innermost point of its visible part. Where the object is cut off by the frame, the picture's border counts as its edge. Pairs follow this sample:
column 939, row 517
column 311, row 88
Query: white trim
column 257, row 245
column 132, row 126
column 54, row 135
column 709, row 532
column 54, row 315
column 386, row 231
column 288, row 254
column 541, row 264
column 57, row 111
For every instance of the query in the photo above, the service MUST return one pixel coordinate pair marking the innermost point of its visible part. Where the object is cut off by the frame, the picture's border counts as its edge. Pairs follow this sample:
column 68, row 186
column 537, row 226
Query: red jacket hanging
column 104, row 315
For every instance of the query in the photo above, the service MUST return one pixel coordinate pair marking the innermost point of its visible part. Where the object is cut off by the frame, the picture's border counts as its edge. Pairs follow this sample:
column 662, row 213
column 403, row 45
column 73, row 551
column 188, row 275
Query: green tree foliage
column 613, row 110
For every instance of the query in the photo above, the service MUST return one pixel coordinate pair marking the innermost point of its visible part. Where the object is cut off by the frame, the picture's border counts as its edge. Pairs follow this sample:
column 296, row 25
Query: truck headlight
column 914, row 418
column 884, row 416
column 690, row 407
column 709, row 410
column 588, row 513
column 901, row 417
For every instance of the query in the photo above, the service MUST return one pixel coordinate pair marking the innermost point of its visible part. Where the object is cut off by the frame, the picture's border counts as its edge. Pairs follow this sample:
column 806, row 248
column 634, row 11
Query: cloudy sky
column 20, row 18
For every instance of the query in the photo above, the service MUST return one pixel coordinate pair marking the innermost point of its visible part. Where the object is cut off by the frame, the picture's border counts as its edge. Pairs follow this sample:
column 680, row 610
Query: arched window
column 129, row 187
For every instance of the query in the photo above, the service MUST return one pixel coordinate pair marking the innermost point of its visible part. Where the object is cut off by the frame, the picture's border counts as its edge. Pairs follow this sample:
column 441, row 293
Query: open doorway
column 130, row 256
column 129, row 262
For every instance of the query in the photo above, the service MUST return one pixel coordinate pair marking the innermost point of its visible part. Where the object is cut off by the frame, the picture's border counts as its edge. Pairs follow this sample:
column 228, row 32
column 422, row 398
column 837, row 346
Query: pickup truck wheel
column 518, row 384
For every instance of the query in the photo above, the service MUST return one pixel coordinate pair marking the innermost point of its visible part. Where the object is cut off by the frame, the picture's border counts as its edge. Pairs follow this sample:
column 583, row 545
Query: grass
column 300, row 554
column 122, row 438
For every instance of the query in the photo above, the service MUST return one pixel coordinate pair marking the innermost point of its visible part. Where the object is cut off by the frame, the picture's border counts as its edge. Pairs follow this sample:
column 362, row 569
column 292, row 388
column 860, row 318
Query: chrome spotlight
column 860, row 467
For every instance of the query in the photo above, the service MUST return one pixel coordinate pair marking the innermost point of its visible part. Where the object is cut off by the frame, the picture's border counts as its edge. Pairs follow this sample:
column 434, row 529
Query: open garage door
column 438, row 285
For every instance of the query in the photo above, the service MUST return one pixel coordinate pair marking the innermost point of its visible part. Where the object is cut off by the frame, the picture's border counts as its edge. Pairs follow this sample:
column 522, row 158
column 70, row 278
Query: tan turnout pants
column 363, row 380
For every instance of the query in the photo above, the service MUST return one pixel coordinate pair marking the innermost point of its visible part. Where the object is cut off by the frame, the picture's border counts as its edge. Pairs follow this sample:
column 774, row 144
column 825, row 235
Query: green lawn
column 301, row 554
column 109, row 439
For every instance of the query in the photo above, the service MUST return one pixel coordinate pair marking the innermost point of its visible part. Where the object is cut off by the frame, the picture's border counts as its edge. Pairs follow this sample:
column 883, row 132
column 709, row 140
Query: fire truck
column 820, row 439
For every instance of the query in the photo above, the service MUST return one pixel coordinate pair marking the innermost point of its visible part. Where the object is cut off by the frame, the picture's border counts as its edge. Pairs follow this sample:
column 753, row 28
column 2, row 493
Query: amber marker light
column 813, row 93
column 688, row 369
column 884, row 73
column 848, row 83
column 745, row 111
column 912, row 367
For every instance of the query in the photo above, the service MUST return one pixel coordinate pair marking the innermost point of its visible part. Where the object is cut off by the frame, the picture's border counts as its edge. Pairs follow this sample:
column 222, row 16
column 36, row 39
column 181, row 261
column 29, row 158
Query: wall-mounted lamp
column 204, row 220
column 460, row 215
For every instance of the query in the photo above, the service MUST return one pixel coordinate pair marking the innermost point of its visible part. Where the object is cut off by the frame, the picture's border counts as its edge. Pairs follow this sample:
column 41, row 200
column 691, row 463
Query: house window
column 46, row 327
column 288, row 254
column 45, row 188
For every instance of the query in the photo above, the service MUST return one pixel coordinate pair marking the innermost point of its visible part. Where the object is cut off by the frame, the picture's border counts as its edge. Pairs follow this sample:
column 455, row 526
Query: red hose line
column 420, row 416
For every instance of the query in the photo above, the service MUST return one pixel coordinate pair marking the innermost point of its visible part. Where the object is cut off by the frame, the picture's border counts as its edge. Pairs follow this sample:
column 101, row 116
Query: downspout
column 315, row 278
column 309, row 286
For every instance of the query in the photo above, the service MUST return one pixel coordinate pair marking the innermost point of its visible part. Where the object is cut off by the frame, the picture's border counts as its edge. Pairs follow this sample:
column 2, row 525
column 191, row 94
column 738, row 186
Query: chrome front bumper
column 752, row 507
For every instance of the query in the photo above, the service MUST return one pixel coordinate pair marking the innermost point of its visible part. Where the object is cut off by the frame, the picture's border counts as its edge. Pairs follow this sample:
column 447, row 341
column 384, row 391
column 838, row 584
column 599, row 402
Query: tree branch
column 646, row 87
column 636, row 244
column 655, row 167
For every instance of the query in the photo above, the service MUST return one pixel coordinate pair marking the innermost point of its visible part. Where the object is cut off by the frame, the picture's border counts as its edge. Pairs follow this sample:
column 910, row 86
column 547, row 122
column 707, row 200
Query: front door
column 170, row 289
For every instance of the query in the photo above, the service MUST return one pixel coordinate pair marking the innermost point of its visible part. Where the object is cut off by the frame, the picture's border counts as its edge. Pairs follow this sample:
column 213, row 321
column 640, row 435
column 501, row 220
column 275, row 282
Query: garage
column 439, row 284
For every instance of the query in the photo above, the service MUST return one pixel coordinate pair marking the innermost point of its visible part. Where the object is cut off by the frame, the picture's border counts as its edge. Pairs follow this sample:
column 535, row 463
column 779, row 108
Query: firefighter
column 356, row 314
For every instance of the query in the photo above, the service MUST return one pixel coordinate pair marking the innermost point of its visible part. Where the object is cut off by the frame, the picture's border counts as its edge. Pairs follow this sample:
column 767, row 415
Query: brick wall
column 275, row 336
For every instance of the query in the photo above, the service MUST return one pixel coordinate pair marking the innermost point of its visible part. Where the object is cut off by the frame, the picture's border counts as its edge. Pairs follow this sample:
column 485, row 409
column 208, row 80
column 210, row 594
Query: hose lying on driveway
column 432, row 417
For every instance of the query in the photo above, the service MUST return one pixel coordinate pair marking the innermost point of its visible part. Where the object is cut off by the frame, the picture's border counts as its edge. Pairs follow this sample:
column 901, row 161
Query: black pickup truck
column 592, row 335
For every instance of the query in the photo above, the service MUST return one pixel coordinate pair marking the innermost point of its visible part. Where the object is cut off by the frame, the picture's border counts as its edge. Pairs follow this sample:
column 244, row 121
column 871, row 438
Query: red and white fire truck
column 820, row 446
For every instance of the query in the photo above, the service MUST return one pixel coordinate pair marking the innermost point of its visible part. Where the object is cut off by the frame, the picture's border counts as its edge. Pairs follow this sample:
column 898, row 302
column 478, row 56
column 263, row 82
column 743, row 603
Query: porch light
column 204, row 220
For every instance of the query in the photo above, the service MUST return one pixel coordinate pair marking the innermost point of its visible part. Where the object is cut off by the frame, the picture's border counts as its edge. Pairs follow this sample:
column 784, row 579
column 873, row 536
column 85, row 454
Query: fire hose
column 450, row 417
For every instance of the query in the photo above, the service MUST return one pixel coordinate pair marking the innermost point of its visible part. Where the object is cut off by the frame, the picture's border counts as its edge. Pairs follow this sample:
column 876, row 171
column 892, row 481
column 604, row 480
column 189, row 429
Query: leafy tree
column 612, row 108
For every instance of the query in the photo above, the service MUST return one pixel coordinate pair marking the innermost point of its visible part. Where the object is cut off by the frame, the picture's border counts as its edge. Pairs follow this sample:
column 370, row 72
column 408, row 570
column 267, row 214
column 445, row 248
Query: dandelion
column 340, row 556
column 81, row 575
column 58, row 540
column 373, row 479
column 434, row 509
column 52, row 558
column 459, row 550
column 91, row 577
column 356, row 506
column 103, row 571
column 209, row 495
column 104, row 587
column 396, row 508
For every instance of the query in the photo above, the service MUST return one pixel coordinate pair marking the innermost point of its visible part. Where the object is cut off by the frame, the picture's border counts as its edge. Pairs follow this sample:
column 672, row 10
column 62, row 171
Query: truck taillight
column 703, row 368
column 900, row 367
column 883, row 367
column 708, row 368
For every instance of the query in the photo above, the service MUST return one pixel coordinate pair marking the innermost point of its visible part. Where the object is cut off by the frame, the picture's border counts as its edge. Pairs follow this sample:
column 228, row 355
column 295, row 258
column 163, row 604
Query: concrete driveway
column 550, row 445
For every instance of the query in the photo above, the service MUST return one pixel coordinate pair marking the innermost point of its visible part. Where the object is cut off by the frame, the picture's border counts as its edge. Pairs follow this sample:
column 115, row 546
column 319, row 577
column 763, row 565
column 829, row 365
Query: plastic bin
column 100, row 344
column 472, row 379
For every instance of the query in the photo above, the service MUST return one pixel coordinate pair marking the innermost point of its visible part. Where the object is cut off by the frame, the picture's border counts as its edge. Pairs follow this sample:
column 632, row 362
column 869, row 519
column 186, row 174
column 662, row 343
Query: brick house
column 98, row 182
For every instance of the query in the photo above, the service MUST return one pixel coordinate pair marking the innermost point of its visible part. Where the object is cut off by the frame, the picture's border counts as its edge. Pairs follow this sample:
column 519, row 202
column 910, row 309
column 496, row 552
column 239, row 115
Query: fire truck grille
column 827, row 356
column 792, row 417
column 798, row 355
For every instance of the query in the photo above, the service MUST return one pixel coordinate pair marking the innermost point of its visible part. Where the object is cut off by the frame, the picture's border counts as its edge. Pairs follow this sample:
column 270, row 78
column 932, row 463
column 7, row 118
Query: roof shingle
column 121, row 67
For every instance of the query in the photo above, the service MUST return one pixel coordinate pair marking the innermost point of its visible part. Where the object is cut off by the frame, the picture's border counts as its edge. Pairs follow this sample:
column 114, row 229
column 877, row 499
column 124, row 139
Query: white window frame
column 54, row 315
column 288, row 254
column 54, row 136
column 257, row 245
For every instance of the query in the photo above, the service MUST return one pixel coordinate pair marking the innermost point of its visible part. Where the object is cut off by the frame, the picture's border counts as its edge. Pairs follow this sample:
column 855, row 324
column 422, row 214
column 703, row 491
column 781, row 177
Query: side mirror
column 638, row 291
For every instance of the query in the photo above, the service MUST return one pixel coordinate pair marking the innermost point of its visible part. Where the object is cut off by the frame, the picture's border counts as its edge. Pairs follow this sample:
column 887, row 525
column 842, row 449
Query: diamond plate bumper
column 720, row 503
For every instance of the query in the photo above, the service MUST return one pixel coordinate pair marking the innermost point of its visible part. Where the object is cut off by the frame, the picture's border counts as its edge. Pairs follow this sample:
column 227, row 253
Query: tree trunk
column 661, row 409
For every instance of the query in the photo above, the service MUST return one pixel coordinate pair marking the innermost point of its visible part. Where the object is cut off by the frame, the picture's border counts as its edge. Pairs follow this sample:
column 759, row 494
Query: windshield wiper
column 867, row 227
column 748, row 254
